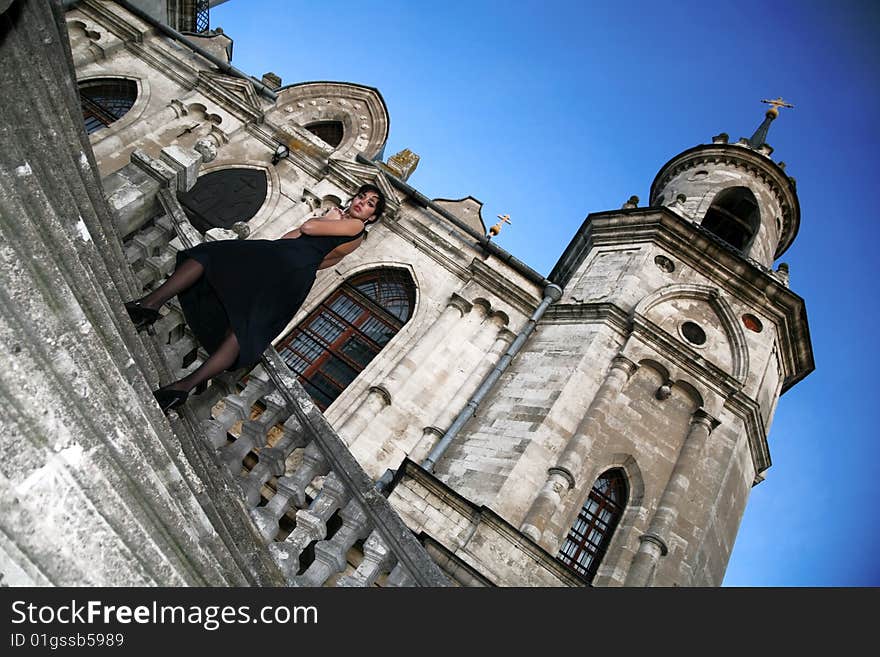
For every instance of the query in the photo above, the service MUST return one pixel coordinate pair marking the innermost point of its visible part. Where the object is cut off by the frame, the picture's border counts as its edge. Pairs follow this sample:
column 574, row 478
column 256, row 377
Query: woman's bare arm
column 339, row 253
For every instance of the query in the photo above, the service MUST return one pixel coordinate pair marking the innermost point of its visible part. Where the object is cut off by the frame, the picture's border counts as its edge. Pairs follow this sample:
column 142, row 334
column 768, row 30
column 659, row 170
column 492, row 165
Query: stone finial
column 271, row 80
column 782, row 273
column 402, row 164
column 632, row 202
column 242, row 229
column 206, row 148
column 721, row 138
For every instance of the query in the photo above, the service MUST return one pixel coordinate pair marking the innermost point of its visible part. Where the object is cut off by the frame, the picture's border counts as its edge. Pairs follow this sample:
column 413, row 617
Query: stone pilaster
column 562, row 477
column 654, row 543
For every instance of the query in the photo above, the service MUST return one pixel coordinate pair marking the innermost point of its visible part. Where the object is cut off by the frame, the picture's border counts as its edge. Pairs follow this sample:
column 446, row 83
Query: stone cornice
column 485, row 515
column 424, row 244
column 749, row 284
column 235, row 95
column 685, row 358
column 127, row 28
column 501, row 286
column 749, row 411
column 760, row 166
column 579, row 313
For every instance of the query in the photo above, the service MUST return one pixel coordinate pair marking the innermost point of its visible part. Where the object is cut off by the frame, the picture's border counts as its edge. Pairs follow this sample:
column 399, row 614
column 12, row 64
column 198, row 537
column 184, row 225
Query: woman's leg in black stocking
column 216, row 363
column 187, row 273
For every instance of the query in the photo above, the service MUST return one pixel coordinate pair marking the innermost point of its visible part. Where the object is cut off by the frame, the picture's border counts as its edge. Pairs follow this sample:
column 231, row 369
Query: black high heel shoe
column 141, row 316
column 169, row 399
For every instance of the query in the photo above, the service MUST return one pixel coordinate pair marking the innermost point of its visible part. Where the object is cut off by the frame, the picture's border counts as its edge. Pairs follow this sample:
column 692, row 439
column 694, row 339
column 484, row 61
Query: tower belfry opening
column 734, row 217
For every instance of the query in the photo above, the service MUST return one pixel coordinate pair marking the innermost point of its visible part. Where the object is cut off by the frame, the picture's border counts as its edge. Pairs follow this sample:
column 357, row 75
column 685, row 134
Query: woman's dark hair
column 380, row 204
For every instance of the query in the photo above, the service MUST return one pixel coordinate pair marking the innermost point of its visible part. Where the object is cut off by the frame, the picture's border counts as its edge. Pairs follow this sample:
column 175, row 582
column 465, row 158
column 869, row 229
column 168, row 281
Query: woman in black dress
column 238, row 295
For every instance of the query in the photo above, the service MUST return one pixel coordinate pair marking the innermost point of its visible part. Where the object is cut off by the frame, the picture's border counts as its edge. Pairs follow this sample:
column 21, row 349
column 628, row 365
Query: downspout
column 174, row 34
column 551, row 293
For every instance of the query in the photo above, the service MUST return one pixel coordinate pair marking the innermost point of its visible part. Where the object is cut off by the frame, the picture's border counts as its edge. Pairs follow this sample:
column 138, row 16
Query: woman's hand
column 333, row 214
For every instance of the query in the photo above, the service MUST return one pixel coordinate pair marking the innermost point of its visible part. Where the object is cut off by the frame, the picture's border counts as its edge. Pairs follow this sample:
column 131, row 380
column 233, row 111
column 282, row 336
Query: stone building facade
column 615, row 446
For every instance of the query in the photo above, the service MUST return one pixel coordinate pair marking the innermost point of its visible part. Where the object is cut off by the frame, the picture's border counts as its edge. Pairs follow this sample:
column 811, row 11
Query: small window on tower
column 734, row 217
column 330, row 132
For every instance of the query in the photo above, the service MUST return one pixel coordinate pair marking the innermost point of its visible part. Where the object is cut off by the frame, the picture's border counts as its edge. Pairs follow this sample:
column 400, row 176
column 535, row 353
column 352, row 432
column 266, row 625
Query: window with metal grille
column 734, row 217
column 105, row 100
column 588, row 539
column 331, row 346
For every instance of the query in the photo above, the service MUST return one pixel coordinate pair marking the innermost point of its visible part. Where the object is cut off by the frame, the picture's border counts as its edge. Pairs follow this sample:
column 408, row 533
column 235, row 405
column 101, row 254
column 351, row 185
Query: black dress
column 253, row 286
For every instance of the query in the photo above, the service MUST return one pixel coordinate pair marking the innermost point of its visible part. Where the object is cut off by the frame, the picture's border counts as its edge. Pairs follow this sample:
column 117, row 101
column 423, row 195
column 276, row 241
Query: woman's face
column 363, row 205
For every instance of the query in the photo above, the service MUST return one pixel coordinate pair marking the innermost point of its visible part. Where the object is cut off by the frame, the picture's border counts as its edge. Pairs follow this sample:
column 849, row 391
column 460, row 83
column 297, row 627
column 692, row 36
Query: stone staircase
column 97, row 487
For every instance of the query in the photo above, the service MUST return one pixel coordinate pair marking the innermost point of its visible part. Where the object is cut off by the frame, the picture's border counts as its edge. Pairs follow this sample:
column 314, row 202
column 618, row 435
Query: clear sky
column 549, row 111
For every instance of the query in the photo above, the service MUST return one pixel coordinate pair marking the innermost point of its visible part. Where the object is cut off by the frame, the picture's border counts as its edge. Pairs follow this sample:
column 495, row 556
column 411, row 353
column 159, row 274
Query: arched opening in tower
column 330, row 132
column 734, row 217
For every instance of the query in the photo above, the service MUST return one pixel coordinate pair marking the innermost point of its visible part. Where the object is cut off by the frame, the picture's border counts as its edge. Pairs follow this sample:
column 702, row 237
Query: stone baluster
column 235, row 408
column 311, row 525
column 267, row 518
column 314, row 464
column 330, row 555
column 253, row 434
column 272, row 461
column 378, row 559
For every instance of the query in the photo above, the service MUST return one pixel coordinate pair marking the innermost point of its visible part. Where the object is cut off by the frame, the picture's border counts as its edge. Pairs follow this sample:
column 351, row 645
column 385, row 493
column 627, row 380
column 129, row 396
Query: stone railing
column 304, row 469
column 317, row 482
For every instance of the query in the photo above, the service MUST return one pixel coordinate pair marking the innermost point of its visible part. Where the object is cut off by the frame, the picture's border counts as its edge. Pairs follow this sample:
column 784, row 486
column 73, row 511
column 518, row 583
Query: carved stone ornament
column 206, row 148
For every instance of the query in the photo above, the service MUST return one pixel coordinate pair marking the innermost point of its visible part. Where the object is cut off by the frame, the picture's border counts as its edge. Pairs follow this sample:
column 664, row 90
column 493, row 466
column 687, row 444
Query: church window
column 105, row 100
column 664, row 264
column 222, row 198
column 693, row 333
column 734, row 217
column 589, row 537
column 337, row 341
column 752, row 323
column 330, row 132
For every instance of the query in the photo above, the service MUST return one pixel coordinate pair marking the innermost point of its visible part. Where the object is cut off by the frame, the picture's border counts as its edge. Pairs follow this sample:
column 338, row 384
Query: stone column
column 432, row 433
column 354, row 425
column 561, row 478
column 654, row 542
column 377, row 398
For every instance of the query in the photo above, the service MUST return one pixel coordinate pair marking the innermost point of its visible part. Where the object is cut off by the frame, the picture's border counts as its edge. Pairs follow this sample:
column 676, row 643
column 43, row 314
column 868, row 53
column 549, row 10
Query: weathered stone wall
column 96, row 489
column 474, row 534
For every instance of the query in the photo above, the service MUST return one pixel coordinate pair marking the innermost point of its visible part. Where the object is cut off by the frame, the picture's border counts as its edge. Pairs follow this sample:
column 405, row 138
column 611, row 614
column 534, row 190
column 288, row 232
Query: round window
column 752, row 323
column 693, row 333
column 664, row 263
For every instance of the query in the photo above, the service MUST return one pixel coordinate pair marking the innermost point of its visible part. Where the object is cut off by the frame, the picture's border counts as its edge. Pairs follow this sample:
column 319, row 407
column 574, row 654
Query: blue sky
column 548, row 111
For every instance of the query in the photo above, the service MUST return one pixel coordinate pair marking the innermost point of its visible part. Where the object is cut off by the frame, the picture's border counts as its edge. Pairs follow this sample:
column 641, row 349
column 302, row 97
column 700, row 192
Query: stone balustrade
column 304, row 474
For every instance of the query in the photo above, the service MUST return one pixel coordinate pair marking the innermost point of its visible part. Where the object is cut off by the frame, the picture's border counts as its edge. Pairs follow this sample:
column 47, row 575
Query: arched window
column 331, row 346
column 330, row 132
column 734, row 217
column 221, row 198
column 588, row 539
column 105, row 100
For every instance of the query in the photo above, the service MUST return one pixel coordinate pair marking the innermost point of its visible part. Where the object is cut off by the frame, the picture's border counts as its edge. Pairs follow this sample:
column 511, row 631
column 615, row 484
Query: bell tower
column 736, row 192
column 627, row 435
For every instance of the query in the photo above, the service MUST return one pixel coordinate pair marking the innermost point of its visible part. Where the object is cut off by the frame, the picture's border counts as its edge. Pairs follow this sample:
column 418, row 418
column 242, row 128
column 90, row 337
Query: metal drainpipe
column 174, row 34
column 551, row 293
